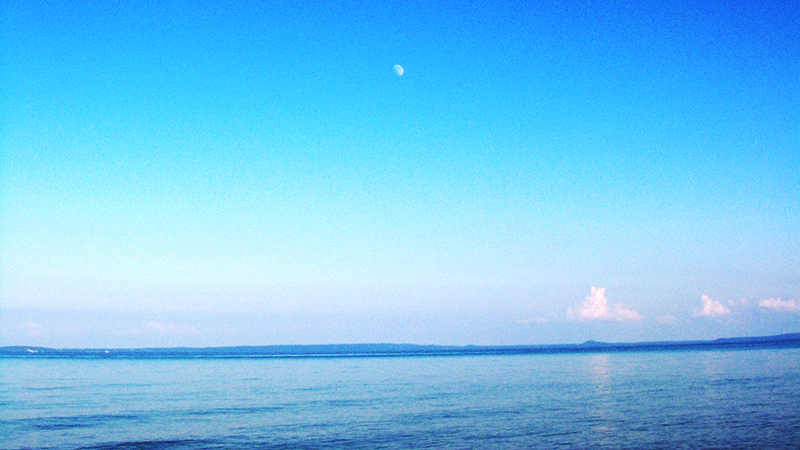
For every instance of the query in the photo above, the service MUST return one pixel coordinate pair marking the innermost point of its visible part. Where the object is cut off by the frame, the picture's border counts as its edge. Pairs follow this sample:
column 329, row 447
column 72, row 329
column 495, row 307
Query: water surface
column 670, row 399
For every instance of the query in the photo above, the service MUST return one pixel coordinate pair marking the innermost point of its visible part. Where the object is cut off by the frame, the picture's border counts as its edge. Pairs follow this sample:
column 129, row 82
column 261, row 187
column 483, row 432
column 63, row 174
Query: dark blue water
column 670, row 399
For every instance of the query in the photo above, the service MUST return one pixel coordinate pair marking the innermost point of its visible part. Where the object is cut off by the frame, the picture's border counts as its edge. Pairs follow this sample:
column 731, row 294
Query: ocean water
column 654, row 399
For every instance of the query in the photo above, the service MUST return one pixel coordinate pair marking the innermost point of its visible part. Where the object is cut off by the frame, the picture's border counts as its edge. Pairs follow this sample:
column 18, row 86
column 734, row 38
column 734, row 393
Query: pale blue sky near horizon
column 233, row 173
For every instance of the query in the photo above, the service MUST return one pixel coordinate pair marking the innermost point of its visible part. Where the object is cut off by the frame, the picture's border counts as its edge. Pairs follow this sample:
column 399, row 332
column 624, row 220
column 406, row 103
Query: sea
column 670, row 399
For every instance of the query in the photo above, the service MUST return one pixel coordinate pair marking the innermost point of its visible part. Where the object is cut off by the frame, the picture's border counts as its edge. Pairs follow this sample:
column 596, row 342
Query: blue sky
column 181, row 173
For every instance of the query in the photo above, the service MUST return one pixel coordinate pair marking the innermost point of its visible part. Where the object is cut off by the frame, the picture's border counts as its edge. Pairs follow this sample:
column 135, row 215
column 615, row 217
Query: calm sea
column 655, row 399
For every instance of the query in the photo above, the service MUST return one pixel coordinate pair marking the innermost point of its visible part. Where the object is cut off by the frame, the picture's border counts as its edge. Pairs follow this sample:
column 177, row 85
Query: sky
column 260, row 172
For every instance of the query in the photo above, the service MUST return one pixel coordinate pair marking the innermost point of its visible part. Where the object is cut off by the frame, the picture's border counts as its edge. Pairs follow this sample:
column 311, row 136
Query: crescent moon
column 398, row 69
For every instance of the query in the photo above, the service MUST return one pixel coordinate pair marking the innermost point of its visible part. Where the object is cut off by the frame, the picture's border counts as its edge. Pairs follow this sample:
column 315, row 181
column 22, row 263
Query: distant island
column 791, row 340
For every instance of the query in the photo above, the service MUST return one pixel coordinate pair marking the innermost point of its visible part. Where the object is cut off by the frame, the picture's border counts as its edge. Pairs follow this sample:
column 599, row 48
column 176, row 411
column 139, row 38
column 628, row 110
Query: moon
column 398, row 69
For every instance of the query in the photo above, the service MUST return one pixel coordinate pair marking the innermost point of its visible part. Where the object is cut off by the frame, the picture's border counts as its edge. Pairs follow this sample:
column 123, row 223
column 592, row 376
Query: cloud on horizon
column 777, row 304
column 596, row 307
column 711, row 308
column 667, row 320
column 31, row 329
column 536, row 320
column 169, row 328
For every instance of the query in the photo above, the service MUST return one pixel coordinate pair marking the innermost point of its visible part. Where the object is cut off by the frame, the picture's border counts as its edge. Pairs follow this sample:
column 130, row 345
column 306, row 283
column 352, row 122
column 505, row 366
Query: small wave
column 157, row 444
column 235, row 410
column 67, row 422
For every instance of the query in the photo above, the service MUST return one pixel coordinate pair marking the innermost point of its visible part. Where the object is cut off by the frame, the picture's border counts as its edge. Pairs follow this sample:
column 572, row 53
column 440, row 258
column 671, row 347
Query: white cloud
column 711, row 308
column 536, row 320
column 171, row 328
column 780, row 305
column 31, row 329
column 734, row 303
column 667, row 320
column 596, row 308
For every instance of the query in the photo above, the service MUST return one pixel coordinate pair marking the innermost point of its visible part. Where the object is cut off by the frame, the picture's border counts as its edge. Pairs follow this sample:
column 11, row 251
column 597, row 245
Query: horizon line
column 399, row 349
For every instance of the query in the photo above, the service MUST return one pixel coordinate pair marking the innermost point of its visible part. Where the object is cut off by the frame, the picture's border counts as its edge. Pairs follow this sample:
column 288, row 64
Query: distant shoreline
column 791, row 340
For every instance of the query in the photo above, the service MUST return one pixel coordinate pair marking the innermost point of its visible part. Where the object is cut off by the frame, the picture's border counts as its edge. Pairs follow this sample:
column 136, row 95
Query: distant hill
column 791, row 340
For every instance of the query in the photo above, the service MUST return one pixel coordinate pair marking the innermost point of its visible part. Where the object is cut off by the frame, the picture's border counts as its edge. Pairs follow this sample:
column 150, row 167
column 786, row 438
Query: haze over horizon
column 254, row 173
